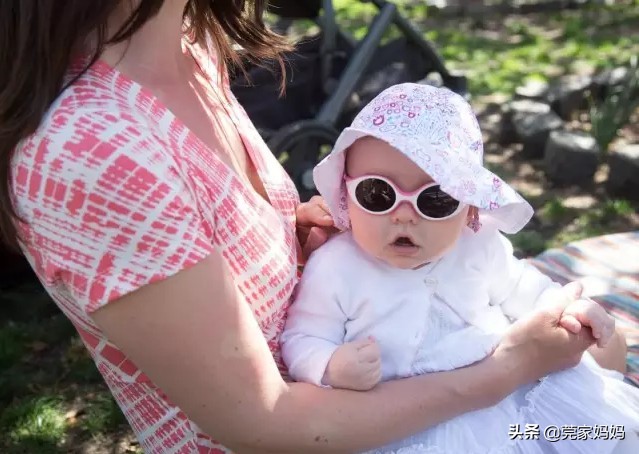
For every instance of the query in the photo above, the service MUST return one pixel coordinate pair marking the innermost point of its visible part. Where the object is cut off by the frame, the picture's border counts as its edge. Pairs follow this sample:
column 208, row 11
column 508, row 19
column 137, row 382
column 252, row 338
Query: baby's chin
column 411, row 262
column 406, row 263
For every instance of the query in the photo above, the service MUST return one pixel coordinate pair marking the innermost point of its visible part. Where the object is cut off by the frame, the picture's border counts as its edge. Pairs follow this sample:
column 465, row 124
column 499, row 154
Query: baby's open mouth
column 403, row 241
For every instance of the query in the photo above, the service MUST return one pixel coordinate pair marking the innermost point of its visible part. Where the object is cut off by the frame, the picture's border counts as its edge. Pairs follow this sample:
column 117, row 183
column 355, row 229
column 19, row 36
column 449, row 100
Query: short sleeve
column 108, row 209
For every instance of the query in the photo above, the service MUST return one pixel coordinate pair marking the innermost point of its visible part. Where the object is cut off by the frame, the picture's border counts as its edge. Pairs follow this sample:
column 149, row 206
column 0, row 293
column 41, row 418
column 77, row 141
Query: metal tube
column 329, row 42
column 413, row 35
column 357, row 65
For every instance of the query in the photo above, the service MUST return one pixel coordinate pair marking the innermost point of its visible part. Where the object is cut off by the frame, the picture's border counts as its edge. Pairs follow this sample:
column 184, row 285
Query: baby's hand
column 586, row 312
column 355, row 365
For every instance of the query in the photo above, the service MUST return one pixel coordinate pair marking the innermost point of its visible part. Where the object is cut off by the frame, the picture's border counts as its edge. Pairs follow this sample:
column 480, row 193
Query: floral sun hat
column 437, row 129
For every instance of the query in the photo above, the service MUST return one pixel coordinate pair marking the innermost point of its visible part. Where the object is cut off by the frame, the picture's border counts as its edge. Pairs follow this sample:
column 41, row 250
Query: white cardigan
column 443, row 316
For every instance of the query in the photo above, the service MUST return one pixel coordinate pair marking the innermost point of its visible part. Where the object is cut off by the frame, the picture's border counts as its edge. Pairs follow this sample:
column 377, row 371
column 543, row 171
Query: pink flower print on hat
column 428, row 125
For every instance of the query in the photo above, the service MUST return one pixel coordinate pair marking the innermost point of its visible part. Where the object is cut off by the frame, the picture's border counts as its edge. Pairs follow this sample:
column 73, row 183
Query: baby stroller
column 329, row 78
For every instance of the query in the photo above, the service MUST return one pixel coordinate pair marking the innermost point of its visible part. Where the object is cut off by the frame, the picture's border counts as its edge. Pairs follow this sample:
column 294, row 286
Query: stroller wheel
column 299, row 147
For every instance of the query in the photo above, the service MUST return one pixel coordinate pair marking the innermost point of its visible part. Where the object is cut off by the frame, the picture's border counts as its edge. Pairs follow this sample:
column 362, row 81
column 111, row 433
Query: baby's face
column 386, row 236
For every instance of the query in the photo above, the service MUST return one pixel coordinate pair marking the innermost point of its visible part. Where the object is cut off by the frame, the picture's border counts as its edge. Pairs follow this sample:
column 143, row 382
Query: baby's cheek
column 368, row 231
column 441, row 236
column 368, row 236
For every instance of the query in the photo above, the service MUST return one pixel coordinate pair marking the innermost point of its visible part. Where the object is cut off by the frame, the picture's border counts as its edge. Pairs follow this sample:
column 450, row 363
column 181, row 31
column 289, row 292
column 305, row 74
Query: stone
column 534, row 89
column 571, row 157
column 569, row 95
column 533, row 129
column 513, row 109
column 623, row 178
column 603, row 82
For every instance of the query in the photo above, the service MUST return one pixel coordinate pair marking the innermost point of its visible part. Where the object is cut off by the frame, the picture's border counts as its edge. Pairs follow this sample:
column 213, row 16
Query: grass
column 103, row 415
column 53, row 400
column 36, row 424
column 499, row 54
column 555, row 224
column 595, row 221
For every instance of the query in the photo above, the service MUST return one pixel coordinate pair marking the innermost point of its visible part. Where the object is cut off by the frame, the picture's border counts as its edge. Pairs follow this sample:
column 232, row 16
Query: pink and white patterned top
column 117, row 193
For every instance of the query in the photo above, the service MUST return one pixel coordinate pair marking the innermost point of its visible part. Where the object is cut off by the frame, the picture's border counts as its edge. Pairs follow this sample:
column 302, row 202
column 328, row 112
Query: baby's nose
column 405, row 214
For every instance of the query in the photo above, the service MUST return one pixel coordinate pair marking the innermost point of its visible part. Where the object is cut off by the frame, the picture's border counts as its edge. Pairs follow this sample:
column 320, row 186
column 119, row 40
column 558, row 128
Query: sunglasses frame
column 400, row 196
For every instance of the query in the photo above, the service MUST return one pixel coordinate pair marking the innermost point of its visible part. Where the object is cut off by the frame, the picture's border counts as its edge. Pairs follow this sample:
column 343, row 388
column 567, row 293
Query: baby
column 421, row 280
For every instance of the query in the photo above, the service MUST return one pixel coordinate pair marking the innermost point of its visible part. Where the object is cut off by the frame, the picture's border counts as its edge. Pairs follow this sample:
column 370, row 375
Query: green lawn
column 52, row 399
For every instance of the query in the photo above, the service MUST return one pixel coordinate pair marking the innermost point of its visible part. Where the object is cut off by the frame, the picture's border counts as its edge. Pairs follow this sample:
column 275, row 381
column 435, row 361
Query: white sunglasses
column 378, row 195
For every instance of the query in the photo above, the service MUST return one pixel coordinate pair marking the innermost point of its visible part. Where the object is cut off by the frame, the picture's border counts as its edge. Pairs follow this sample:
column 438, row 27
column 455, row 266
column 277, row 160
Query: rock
column 532, row 130
column 623, row 179
column 513, row 109
column 607, row 79
column 534, row 89
column 569, row 95
column 571, row 157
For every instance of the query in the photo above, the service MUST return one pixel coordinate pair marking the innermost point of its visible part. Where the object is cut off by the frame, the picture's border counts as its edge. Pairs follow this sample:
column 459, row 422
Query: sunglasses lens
column 435, row 203
column 375, row 195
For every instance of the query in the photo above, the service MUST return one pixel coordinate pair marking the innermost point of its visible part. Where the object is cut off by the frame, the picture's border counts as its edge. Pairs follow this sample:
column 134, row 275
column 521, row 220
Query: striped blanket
column 609, row 268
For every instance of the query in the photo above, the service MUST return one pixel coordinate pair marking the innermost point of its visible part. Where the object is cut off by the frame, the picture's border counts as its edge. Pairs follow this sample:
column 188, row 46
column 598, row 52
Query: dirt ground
column 565, row 213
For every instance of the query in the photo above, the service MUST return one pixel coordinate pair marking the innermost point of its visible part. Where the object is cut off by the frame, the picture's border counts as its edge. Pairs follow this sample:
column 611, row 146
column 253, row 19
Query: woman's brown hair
column 38, row 40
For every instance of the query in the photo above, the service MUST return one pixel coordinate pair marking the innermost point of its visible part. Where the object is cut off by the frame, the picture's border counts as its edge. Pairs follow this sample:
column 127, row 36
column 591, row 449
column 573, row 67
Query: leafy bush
column 615, row 111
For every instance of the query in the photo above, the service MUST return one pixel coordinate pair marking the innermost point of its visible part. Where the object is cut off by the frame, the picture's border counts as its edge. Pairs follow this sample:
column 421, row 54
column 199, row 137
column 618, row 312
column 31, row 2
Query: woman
column 161, row 225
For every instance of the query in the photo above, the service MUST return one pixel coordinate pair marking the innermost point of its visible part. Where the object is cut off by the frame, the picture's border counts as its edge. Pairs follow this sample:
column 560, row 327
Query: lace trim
column 529, row 406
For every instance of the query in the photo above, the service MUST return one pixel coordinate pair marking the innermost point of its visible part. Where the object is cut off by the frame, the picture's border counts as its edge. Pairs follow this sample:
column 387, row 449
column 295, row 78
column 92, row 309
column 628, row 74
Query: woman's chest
column 256, row 239
column 211, row 118
column 247, row 202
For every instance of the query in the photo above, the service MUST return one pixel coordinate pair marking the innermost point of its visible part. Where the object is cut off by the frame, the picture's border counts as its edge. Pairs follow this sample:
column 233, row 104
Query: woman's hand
column 537, row 345
column 314, row 226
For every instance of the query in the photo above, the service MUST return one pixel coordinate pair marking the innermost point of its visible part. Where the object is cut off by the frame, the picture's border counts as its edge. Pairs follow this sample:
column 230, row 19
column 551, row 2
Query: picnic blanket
column 608, row 266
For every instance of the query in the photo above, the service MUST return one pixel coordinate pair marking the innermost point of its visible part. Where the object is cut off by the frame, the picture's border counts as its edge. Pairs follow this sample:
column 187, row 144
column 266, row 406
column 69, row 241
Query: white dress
column 447, row 315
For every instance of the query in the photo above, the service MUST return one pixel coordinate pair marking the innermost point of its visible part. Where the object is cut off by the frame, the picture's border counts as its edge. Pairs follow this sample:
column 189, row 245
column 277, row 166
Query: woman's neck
column 155, row 50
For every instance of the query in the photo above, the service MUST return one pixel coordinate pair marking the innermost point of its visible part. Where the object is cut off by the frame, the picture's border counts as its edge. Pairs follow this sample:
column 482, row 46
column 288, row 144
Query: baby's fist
column 586, row 312
column 355, row 365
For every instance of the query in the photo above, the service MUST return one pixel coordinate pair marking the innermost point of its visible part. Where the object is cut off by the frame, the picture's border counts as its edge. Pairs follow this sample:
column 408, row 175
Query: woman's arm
column 195, row 337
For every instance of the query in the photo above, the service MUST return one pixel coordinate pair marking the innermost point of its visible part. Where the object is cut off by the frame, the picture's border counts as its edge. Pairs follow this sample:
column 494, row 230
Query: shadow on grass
column 52, row 398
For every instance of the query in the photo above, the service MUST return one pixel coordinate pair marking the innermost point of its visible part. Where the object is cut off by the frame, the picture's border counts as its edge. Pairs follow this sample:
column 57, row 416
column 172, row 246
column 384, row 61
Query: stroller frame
column 388, row 14
column 305, row 141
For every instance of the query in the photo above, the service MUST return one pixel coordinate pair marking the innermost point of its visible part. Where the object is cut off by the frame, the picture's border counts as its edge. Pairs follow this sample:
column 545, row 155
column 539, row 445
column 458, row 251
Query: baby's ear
column 473, row 219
